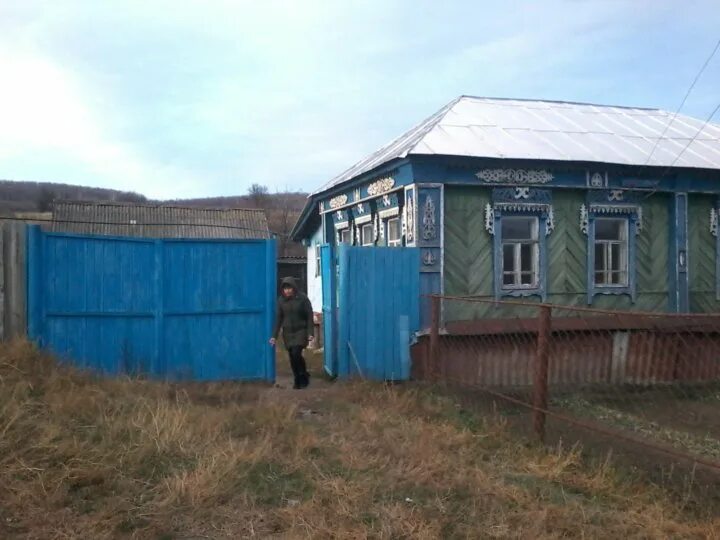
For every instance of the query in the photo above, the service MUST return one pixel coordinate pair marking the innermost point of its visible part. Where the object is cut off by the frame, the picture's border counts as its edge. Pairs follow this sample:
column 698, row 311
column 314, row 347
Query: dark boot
column 297, row 363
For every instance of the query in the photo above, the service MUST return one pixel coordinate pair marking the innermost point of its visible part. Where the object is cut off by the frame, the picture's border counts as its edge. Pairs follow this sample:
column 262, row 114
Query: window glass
column 367, row 235
column 518, row 228
column 608, row 229
column 520, row 255
column 345, row 236
column 611, row 251
column 508, row 256
column 393, row 232
column 526, row 258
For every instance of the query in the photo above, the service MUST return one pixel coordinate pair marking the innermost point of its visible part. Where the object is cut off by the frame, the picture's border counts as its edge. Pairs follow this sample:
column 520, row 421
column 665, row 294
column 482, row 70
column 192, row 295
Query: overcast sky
column 190, row 99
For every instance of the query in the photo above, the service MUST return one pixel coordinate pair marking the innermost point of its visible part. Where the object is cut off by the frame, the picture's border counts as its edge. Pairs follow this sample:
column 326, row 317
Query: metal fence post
column 540, row 385
column 434, row 336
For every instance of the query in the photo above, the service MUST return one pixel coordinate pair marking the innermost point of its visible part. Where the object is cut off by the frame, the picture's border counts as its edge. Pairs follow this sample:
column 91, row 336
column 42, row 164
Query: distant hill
column 38, row 196
column 282, row 209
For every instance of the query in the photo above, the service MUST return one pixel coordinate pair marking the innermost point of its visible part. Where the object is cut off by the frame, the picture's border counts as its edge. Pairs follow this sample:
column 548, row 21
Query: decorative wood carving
column 381, row 186
column 338, row 201
column 515, row 176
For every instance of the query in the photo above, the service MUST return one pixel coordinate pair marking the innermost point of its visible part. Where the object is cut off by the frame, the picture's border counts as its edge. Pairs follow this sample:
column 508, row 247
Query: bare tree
column 45, row 199
column 258, row 195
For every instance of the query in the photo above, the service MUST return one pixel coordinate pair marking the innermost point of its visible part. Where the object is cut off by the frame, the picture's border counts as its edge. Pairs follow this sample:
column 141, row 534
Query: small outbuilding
column 158, row 220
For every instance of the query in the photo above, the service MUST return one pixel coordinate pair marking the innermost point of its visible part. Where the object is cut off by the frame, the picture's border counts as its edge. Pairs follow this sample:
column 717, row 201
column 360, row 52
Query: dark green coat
column 295, row 317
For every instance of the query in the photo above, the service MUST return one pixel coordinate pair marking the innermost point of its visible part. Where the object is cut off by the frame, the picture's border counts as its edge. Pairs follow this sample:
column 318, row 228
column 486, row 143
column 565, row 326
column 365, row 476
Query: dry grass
column 87, row 458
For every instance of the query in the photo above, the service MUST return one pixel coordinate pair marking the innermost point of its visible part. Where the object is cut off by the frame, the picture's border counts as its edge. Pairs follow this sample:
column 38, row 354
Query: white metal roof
column 553, row 130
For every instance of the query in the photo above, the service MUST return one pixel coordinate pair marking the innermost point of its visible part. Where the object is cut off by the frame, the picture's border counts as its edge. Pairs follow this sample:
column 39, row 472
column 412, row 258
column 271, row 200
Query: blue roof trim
column 300, row 231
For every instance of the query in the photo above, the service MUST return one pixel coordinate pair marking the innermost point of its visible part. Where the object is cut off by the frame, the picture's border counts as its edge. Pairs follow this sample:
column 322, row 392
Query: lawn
column 83, row 457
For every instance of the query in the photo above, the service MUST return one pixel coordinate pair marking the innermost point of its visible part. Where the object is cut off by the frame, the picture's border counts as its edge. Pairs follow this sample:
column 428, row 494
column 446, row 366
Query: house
column 569, row 203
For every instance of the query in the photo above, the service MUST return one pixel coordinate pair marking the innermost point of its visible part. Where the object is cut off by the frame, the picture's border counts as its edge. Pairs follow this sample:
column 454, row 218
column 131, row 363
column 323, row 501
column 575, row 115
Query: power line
column 264, row 232
column 707, row 121
column 687, row 94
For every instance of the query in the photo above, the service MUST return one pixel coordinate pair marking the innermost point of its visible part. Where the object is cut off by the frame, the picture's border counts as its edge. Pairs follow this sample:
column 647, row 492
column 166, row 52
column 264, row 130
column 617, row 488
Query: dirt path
column 310, row 400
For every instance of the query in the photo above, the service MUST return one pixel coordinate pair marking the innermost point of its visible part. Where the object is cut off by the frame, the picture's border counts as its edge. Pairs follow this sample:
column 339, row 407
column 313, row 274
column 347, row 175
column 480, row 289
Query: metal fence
column 639, row 380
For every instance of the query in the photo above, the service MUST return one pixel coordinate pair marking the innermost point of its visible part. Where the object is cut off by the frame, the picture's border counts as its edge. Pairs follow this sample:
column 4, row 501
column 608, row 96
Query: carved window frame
column 520, row 202
column 631, row 211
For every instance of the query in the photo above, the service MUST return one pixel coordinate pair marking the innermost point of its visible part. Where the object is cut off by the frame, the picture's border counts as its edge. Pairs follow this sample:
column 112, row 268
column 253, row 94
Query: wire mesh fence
column 647, row 380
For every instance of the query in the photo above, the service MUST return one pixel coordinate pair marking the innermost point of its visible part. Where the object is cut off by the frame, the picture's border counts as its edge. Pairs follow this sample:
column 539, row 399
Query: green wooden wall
column 701, row 256
column 468, row 256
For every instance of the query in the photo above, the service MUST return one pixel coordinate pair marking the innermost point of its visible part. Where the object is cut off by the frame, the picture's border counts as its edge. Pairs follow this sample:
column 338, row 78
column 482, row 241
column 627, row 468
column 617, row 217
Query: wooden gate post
column 434, row 337
column 540, row 385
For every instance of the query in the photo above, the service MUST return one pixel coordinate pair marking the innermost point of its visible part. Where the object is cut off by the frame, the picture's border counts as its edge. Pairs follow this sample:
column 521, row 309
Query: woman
column 295, row 317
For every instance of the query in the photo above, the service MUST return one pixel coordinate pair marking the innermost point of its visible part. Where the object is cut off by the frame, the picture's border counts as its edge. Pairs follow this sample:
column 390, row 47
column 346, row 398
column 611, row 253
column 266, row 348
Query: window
column 611, row 252
column 612, row 231
column 520, row 221
column 520, row 252
column 394, row 237
column 346, row 236
column 367, row 234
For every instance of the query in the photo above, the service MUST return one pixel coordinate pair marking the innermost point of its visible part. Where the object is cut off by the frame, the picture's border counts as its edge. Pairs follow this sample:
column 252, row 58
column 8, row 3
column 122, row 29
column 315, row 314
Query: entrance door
column 378, row 311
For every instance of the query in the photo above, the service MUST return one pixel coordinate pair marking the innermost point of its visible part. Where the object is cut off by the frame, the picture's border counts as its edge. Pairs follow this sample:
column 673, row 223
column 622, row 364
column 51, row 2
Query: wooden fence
column 13, row 291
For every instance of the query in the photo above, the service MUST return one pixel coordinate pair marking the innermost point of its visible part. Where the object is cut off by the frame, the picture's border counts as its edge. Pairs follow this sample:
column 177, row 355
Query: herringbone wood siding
column 567, row 250
column 469, row 265
column 468, row 251
column 701, row 259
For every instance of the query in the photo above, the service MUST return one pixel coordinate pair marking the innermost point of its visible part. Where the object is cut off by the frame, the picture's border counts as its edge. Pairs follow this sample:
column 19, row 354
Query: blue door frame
column 328, row 273
column 679, row 253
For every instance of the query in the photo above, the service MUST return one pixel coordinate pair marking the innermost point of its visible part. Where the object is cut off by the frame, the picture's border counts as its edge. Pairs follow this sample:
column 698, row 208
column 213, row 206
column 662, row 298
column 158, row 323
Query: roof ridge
column 431, row 122
column 566, row 102
column 157, row 205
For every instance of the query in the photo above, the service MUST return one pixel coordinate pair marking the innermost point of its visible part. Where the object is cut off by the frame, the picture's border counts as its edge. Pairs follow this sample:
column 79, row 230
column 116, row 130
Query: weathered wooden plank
column 2, row 281
column 13, row 287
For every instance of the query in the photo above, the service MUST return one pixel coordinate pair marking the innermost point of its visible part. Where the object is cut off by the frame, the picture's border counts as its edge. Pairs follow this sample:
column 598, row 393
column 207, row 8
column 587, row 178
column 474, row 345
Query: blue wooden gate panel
column 175, row 309
column 329, row 308
column 378, row 311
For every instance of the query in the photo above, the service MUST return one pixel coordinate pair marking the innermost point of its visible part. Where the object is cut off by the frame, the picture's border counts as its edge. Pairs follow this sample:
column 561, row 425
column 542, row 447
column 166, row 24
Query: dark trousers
column 297, row 363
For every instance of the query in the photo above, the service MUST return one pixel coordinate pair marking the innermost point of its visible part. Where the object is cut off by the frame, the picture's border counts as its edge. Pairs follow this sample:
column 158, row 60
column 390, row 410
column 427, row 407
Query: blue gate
column 378, row 311
column 174, row 309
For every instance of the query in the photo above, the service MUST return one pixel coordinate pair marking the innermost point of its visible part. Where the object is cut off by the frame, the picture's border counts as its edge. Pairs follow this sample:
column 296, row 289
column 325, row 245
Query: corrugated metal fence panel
column 176, row 309
column 158, row 220
column 378, row 311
